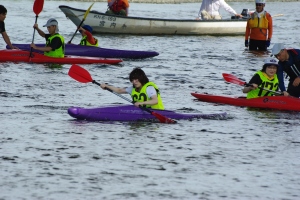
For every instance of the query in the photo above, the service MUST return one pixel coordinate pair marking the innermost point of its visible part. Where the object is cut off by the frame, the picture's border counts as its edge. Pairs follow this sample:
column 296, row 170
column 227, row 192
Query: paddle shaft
column 37, row 8
column 275, row 92
column 85, row 15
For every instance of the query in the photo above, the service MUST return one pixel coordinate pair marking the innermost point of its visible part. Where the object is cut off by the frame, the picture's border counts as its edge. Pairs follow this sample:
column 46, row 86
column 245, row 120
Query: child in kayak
column 55, row 43
column 87, row 37
column 143, row 92
column 265, row 78
column 3, row 12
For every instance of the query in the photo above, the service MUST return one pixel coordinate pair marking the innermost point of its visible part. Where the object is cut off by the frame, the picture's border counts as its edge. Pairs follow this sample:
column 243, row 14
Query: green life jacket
column 142, row 96
column 266, row 83
column 85, row 42
column 57, row 53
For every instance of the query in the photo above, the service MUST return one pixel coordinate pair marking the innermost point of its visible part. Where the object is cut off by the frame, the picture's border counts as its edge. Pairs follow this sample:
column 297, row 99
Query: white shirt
column 213, row 6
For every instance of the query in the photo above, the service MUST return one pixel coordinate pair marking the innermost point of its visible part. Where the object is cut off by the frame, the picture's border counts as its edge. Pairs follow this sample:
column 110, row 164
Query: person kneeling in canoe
column 143, row 92
column 117, row 7
column 265, row 78
column 87, row 37
column 55, row 43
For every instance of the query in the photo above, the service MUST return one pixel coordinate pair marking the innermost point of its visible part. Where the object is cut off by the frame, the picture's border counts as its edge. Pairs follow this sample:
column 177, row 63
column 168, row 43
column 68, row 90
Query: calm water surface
column 45, row 154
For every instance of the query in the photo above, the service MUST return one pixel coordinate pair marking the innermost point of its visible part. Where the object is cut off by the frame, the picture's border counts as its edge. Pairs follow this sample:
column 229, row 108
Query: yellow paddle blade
column 87, row 11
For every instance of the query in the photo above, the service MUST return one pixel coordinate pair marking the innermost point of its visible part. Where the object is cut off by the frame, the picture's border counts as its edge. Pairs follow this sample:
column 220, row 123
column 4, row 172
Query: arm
column 247, row 33
column 270, row 26
column 255, row 82
column 41, row 33
column 280, row 79
column 150, row 102
column 7, row 40
column 115, row 89
column 89, row 36
column 40, row 48
column 227, row 7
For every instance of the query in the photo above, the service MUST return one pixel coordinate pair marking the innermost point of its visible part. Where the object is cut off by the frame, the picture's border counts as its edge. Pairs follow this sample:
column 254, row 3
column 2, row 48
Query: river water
column 45, row 154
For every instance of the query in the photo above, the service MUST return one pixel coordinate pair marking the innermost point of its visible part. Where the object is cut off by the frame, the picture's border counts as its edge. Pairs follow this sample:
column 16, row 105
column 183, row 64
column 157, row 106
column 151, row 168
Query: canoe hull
column 270, row 102
column 115, row 24
column 24, row 56
column 132, row 113
column 78, row 50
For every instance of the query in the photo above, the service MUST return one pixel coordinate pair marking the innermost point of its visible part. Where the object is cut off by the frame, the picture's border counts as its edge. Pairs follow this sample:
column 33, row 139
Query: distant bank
column 178, row 1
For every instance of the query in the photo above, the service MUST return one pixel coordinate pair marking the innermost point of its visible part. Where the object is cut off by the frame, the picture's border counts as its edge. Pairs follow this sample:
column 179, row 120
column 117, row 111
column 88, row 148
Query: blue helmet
column 88, row 28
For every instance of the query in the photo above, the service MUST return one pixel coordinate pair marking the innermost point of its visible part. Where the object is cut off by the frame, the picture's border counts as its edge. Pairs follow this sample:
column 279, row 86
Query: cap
column 50, row 22
column 260, row 1
column 270, row 61
column 277, row 48
column 88, row 28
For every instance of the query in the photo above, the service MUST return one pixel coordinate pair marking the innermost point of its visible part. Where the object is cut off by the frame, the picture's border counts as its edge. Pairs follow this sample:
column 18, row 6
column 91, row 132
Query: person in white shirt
column 210, row 9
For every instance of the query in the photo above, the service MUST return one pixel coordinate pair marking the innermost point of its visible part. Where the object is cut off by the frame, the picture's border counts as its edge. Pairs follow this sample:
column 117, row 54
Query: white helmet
column 260, row 1
column 271, row 61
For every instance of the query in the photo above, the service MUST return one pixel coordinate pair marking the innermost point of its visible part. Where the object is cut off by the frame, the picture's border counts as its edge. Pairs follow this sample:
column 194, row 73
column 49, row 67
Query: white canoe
column 103, row 23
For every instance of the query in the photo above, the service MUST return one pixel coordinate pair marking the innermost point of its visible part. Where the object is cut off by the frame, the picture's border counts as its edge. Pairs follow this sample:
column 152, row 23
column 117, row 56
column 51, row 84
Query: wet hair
column 267, row 65
column 138, row 73
column 2, row 10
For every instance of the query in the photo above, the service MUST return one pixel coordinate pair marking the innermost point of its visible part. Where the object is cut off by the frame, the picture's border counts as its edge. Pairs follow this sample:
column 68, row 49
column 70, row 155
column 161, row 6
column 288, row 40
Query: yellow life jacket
column 85, row 42
column 57, row 53
column 266, row 83
column 255, row 22
column 142, row 96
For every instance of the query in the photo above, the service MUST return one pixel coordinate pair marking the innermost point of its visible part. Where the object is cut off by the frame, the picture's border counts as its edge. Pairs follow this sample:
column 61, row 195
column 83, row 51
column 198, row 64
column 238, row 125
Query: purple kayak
column 132, row 113
column 79, row 50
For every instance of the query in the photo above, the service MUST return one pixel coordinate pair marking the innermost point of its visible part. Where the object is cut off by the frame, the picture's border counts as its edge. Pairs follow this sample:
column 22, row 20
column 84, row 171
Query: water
column 45, row 154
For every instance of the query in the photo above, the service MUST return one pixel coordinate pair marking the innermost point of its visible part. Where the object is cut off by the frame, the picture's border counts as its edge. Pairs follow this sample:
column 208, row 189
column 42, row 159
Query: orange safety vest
column 119, row 5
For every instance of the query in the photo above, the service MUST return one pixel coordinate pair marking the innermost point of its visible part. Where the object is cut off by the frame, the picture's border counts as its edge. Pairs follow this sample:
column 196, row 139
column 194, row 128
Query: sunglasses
column 259, row 4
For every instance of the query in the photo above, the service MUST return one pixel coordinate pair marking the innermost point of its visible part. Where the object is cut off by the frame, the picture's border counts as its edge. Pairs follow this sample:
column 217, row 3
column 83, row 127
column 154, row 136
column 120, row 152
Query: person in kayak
column 117, row 7
column 3, row 12
column 210, row 10
column 265, row 78
column 143, row 92
column 55, row 43
column 289, row 62
column 87, row 37
column 259, row 28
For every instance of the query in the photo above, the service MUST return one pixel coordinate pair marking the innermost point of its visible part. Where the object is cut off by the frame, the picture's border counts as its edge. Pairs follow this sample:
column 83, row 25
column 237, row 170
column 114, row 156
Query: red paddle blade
column 38, row 6
column 80, row 74
column 163, row 119
column 233, row 79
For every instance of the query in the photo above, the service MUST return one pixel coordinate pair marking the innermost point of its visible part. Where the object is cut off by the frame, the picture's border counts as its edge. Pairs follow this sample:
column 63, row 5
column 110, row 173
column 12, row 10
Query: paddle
column 84, row 17
column 37, row 8
column 235, row 80
column 82, row 75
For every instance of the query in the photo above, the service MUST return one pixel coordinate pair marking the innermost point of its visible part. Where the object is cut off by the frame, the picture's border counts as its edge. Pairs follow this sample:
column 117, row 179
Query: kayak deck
column 268, row 102
column 132, row 113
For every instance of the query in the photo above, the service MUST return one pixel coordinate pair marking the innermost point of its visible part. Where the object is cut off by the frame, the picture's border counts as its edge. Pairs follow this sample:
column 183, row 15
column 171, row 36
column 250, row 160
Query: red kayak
column 269, row 102
column 23, row 56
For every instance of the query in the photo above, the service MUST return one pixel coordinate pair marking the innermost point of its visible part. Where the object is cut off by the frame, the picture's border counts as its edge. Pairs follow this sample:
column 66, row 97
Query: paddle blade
column 80, row 74
column 163, row 119
column 233, row 79
column 87, row 11
column 38, row 6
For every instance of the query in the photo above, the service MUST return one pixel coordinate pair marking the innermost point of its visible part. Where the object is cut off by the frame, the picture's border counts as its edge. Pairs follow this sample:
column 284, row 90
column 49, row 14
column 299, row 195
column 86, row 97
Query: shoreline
column 176, row 1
